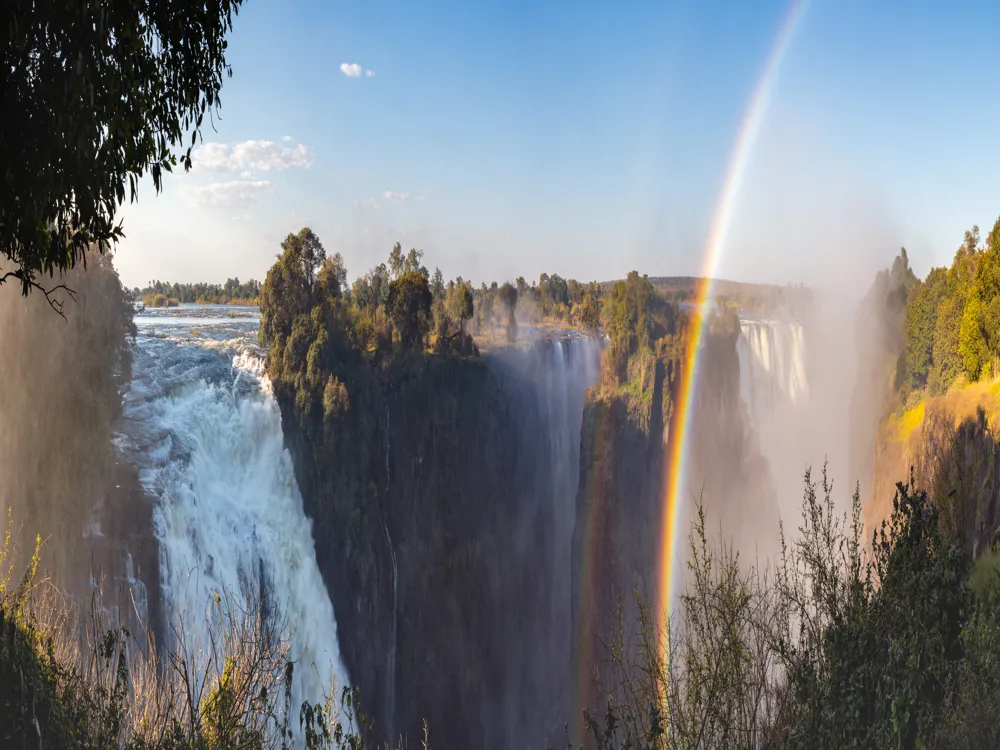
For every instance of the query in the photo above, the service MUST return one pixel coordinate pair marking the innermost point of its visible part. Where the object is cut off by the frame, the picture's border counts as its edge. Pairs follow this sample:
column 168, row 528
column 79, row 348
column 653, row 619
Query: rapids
column 202, row 427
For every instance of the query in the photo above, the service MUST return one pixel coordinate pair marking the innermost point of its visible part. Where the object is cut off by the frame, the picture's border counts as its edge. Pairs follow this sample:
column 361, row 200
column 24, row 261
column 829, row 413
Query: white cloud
column 397, row 197
column 246, row 175
column 287, row 138
column 212, row 157
column 230, row 194
column 267, row 156
column 351, row 70
column 369, row 73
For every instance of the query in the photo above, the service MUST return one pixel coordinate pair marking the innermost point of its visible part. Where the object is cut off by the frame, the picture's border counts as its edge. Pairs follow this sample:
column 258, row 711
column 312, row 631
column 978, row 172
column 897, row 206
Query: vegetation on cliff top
column 952, row 320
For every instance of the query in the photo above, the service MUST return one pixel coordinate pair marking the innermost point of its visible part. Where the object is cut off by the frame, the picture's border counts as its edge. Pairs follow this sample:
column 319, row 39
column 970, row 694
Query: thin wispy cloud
column 235, row 194
column 266, row 156
column 396, row 197
column 369, row 73
column 366, row 204
column 287, row 138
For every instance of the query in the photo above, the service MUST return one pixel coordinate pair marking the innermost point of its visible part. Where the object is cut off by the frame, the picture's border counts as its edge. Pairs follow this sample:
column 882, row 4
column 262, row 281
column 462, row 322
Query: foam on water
column 206, row 434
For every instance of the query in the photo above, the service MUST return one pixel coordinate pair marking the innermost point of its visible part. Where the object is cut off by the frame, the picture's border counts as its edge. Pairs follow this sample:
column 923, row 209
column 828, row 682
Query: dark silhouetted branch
column 27, row 283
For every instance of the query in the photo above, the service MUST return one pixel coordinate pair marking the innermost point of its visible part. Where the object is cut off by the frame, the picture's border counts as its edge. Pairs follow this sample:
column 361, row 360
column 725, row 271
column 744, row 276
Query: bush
column 840, row 647
column 68, row 684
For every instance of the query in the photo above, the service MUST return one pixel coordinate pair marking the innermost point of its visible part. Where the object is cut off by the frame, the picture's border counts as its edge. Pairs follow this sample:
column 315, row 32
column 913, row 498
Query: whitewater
column 205, row 433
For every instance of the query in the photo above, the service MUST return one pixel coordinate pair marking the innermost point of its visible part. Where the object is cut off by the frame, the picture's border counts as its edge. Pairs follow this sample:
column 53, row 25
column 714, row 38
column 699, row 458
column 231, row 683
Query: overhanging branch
column 29, row 283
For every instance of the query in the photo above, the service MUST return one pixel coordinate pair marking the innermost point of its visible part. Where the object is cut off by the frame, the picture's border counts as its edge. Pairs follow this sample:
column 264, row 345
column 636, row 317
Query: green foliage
column 590, row 313
column 465, row 303
column 871, row 645
column 971, row 341
column 160, row 300
column 336, row 400
column 110, row 690
column 233, row 292
column 635, row 316
column 843, row 646
column 409, row 306
column 96, row 95
column 946, row 363
column 952, row 319
column 921, row 320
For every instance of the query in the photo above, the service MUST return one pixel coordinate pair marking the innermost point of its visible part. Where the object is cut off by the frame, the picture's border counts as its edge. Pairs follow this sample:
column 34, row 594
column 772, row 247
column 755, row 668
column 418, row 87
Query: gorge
column 426, row 515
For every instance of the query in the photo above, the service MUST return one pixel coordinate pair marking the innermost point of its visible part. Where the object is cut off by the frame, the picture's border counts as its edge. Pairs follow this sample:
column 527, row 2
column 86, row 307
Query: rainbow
column 669, row 563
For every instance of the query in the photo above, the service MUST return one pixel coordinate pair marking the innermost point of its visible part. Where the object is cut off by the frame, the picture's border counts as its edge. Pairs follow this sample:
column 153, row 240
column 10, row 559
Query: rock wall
column 443, row 507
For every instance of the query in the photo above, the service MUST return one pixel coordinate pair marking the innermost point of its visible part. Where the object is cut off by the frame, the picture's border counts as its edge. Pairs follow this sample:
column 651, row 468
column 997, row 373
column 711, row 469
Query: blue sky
column 586, row 139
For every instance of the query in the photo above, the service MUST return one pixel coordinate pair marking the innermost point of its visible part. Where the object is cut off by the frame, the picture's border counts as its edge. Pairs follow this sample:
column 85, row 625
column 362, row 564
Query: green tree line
column 233, row 292
column 952, row 319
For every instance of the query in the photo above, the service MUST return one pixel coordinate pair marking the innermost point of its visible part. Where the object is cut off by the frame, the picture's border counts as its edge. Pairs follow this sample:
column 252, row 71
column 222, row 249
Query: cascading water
column 206, row 434
column 772, row 366
column 552, row 379
column 777, row 395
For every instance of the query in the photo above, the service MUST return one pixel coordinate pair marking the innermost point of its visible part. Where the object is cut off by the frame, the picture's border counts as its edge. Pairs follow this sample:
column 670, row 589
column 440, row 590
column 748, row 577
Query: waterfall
column 546, row 393
column 780, row 404
column 772, row 368
column 207, row 438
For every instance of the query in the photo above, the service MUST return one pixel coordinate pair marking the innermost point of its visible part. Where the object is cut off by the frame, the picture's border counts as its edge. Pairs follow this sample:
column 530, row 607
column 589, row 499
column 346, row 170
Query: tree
column 396, row 260
column 379, row 279
column 412, row 262
column 947, row 355
column 988, row 288
column 409, row 306
column 305, row 249
column 921, row 320
column 437, row 284
column 508, row 294
column 331, row 281
column 465, row 305
column 971, row 342
column 947, row 362
column 590, row 313
column 96, row 95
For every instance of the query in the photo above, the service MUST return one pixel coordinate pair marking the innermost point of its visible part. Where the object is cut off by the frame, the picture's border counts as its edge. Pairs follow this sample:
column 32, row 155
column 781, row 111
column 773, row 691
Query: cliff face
column 950, row 444
column 477, row 520
column 618, row 514
column 624, row 444
column 442, row 493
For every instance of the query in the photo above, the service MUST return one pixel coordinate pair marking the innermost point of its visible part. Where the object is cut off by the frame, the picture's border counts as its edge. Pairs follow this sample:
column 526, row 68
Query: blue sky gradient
column 588, row 139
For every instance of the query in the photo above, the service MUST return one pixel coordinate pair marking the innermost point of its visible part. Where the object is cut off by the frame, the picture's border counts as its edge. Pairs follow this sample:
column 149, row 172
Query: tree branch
column 29, row 283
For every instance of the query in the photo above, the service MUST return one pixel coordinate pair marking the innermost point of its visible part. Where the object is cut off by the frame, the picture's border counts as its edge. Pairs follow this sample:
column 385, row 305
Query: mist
column 811, row 214
column 60, row 401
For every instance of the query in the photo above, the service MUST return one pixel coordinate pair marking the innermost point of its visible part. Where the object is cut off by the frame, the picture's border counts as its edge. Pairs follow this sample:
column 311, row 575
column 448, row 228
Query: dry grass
column 903, row 440
column 86, row 681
